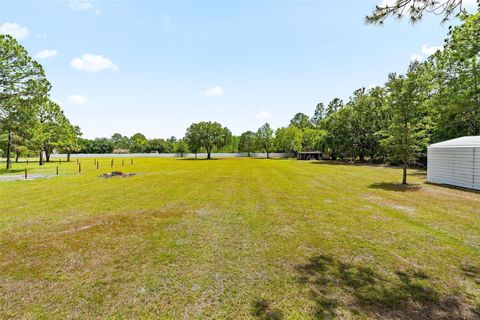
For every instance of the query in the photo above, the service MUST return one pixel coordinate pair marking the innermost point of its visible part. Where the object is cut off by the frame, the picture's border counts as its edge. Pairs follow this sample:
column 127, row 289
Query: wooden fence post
column 26, row 174
column 79, row 167
column 57, row 170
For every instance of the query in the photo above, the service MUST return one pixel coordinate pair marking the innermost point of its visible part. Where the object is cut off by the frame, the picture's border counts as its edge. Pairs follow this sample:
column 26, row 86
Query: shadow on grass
column 199, row 159
column 335, row 285
column 261, row 309
column 471, row 271
column 414, row 171
column 253, row 158
column 353, row 164
column 447, row 186
column 390, row 186
column 9, row 171
column 418, row 173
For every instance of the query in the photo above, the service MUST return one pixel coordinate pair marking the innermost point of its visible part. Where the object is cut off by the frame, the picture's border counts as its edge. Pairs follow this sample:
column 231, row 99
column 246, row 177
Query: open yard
column 237, row 238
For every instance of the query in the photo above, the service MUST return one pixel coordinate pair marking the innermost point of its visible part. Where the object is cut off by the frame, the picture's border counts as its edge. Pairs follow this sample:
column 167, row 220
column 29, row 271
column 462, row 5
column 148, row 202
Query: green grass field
column 237, row 238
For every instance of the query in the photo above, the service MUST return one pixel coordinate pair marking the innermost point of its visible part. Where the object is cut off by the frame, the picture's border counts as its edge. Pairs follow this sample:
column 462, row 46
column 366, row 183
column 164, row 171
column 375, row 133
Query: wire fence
column 29, row 169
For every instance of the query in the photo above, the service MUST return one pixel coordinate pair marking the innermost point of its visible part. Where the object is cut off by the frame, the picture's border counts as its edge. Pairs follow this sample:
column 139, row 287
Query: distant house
column 121, row 151
column 455, row 162
column 312, row 155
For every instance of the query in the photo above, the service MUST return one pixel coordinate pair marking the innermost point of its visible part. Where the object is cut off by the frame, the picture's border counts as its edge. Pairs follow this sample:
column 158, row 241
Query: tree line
column 30, row 122
column 435, row 100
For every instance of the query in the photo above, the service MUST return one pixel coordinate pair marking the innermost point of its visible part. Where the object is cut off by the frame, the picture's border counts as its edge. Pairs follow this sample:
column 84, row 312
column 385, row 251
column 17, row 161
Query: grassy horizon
column 237, row 238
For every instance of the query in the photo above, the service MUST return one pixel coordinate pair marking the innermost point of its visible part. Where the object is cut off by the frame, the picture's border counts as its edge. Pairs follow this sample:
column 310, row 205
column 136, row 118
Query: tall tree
column 138, row 143
column 314, row 139
column 364, row 123
column 319, row 114
column 408, row 131
column 265, row 138
column 70, row 139
column 333, row 106
column 208, row 135
column 456, row 71
column 181, row 147
column 22, row 81
column 247, row 142
column 301, row 121
column 289, row 139
column 120, row 141
column 46, row 129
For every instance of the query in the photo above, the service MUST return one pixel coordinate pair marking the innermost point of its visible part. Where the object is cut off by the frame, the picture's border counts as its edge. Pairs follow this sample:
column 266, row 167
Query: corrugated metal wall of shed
column 454, row 166
column 476, row 170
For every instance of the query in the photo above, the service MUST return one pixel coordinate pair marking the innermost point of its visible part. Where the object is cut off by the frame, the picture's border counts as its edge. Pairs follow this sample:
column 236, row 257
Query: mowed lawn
column 237, row 238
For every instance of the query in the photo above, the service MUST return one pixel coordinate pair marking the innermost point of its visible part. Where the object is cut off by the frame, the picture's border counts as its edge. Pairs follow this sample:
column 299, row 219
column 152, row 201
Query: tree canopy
column 31, row 121
column 208, row 135
column 415, row 10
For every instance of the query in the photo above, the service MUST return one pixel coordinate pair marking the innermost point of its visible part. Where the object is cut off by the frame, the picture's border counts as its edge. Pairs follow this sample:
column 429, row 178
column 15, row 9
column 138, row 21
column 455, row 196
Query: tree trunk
column 195, row 156
column 17, row 155
column 404, row 180
column 40, row 158
column 208, row 154
column 268, row 154
column 9, row 147
column 68, row 156
column 362, row 157
column 47, row 156
column 181, row 154
column 249, row 153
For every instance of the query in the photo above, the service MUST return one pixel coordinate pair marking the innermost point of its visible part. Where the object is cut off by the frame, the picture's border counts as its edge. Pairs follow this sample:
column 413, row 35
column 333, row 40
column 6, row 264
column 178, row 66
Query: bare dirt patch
column 116, row 174
column 385, row 203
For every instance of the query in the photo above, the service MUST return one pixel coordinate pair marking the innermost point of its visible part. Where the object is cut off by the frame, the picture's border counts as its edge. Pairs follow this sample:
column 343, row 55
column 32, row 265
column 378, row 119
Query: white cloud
column 84, row 5
column 429, row 50
column 214, row 91
column 262, row 115
column 14, row 29
column 77, row 99
column 93, row 63
column 417, row 57
column 47, row 53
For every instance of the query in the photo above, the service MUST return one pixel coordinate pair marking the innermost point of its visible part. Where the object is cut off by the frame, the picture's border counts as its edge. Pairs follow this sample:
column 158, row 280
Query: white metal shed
column 455, row 162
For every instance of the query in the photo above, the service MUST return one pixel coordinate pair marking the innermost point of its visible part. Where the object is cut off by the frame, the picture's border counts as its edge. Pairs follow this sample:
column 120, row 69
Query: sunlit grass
column 236, row 238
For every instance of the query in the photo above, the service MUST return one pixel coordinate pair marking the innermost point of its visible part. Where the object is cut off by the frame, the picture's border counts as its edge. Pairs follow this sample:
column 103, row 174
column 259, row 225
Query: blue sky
column 155, row 67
